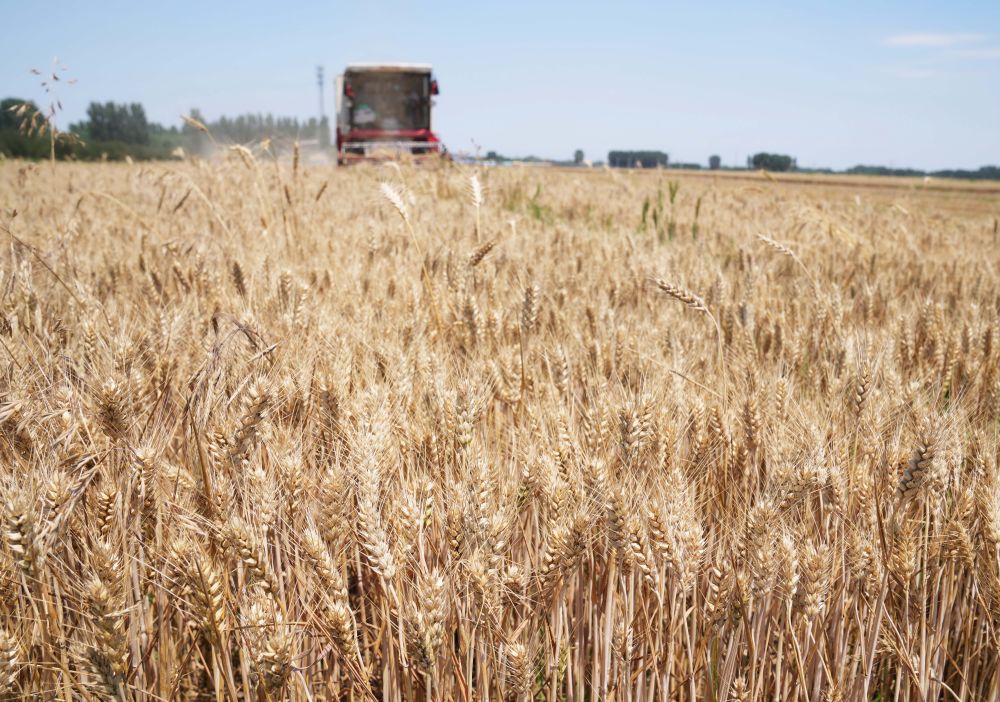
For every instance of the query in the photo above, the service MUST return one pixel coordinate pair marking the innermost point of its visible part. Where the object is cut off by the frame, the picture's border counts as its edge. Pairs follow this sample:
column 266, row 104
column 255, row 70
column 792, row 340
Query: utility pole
column 322, row 134
column 319, row 81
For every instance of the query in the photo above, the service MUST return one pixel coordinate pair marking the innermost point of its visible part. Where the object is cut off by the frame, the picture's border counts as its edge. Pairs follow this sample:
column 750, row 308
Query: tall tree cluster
column 112, row 121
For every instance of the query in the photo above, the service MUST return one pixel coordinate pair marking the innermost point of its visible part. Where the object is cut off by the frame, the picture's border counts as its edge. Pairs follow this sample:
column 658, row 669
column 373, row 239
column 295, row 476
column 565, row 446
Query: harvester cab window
column 390, row 101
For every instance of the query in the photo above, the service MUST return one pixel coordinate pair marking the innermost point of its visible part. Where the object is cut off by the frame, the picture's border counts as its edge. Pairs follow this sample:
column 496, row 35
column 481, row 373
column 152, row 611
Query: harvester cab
column 384, row 112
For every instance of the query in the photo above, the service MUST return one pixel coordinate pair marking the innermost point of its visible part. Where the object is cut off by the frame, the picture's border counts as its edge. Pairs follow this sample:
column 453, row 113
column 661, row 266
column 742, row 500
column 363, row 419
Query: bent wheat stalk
column 697, row 303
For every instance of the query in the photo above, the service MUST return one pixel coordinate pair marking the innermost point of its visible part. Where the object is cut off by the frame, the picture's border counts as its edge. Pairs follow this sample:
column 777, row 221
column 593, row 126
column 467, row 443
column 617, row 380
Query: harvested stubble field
column 282, row 433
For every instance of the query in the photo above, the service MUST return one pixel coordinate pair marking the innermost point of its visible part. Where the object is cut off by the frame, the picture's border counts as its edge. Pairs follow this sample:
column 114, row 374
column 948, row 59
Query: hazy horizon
column 902, row 85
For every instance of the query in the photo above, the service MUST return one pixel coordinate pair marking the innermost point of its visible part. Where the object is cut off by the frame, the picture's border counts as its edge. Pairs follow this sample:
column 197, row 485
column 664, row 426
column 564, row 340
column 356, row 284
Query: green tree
column 110, row 121
column 19, row 136
column 772, row 162
column 9, row 107
column 578, row 157
column 714, row 162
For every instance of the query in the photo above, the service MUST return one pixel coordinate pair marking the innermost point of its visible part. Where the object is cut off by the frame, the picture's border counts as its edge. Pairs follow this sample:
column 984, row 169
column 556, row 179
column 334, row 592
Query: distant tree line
column 247, row 128
column 642, row 159
column 115, row 131
column 984, row 173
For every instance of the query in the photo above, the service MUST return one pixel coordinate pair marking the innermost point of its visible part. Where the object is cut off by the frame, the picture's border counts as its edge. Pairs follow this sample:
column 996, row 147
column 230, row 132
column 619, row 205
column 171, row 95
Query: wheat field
column 272, row 432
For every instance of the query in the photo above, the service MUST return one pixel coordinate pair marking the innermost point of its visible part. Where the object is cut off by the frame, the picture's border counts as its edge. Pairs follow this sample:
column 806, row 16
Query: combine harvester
column 384, row 112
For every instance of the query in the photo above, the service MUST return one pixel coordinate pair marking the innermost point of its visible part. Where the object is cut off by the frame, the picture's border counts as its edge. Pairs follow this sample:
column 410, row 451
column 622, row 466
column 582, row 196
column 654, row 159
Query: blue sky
column 835, row 84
